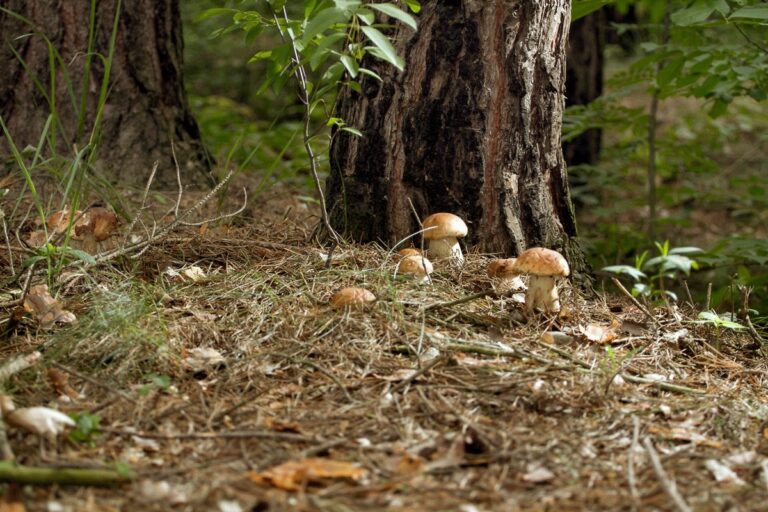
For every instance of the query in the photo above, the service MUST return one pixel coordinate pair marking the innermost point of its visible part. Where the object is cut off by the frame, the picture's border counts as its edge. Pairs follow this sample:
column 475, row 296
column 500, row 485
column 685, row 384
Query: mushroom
column 352, row 297
column 543, row 266
column 44, row 422
column 416, row 265
column 408, row 251
column 503, row 275
column 443, row 231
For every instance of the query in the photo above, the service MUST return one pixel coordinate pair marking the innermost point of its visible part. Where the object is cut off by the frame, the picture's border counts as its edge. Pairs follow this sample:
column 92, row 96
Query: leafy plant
column 87, row 427
column 651, row 275
column 718, row 322
column 321, row 47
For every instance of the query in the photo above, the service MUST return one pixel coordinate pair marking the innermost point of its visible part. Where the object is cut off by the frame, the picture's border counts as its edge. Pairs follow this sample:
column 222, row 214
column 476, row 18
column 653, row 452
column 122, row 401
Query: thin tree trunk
column 471, row 127
column 146, row 109
column 584, row 82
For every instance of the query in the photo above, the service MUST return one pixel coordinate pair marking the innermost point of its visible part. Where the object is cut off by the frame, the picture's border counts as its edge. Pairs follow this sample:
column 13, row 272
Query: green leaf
column 686, row 250
column 585, row 7
column 353, row 131
column 324, row 20
column 82, row 256
column 259, row 56
column 322, row 52
column 386, row 50
column 347, row 5
column 216, row 11
column 372, row 74
column 670, row 71
column 634, row 273
column 395, row 12
column 698, row 12
column 413, row 5
column 757, row 12
column 350, row 64
column 366, row 16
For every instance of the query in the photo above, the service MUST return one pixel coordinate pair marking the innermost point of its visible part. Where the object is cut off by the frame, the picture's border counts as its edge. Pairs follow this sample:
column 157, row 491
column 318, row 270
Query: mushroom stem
column 446, row 249
column 542, row 294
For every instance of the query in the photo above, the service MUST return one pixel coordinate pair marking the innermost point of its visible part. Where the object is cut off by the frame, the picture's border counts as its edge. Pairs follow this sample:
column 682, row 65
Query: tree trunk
column 146, row 109
column 471, row 127
column 584, row 82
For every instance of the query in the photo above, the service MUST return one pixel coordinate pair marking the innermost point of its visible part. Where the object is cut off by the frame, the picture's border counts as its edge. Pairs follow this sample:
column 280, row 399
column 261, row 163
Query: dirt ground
column 417, row 402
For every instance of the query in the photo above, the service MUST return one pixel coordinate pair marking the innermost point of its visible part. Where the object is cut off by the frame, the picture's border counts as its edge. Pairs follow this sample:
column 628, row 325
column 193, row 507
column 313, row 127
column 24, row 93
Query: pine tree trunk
column 146, row 109
column 584, row 82
column 471, row 127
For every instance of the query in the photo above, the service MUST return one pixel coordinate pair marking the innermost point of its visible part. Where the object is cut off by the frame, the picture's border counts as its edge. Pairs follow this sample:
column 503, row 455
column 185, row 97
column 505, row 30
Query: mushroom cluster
column 441, row 231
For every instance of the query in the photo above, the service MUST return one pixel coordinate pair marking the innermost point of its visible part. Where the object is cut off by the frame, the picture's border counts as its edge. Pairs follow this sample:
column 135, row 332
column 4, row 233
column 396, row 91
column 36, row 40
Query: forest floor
column 417, row 402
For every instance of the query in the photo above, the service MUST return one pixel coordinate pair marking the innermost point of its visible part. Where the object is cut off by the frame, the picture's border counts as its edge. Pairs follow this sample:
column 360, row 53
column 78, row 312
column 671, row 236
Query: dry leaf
column 723, row 473
column 406, row 464
column 536, row 474
column 201, row 358
column 681, row 434
column 598, row 333
column 402, row 374
column 192, row 274
column 60, row 382
column 37, row 238
column 46, row 309
column 57, row 222
column 11, row 501
column 293, row 474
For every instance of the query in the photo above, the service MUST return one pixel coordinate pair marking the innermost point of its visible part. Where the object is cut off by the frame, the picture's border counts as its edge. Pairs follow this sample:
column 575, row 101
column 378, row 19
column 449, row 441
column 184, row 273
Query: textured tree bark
column 146, row 109
column 584, row 82
column 471, row 127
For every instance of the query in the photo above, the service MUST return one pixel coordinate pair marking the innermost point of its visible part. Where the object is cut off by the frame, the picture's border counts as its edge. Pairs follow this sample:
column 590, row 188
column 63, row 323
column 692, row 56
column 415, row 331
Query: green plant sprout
column 652, row 275
column 719, row 322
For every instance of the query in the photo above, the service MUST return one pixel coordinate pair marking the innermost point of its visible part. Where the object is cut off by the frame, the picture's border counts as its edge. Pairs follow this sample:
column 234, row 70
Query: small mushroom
column 415, row 265
column 43, row 422
column 352, row 297
column 503, row 276
column 543, row 266
column 408, row 251
column 443, row 230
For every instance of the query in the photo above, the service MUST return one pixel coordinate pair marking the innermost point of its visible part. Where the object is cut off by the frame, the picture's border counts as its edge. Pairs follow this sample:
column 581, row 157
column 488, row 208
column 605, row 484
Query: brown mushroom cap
column 415, row 264
column 539, row 261
column 408, row 251
column 501, row 268
column 352, row 297
column 58, row 221
column 444, row 225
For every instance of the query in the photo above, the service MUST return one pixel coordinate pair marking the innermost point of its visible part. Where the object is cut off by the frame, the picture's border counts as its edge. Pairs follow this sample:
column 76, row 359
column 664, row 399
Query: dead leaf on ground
column 598, row 333
column 60, row 382
column 682, row 434
column 11, row 501
column 46, row 309
column 406, row 464
column 292, row 475
column 402, row 374
column 193, row 274
column 201, row 358
column 537, row 474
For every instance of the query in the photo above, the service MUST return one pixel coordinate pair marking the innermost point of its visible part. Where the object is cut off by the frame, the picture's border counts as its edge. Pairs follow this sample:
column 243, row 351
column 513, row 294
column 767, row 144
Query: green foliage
column 718, row 322
column 87, row 427
column 651, row 275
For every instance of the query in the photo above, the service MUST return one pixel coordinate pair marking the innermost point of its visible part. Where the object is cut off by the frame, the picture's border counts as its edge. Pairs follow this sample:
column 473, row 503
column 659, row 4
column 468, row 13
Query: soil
column 435, row 403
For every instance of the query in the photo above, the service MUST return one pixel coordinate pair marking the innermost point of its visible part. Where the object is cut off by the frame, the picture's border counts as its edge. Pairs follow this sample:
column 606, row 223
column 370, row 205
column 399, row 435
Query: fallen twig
column 669, row 485
column 13, row 473
column 635, row 301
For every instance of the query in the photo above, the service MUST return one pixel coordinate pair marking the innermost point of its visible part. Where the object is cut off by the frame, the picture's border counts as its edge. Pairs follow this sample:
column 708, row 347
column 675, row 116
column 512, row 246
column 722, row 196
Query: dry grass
column 445, row 407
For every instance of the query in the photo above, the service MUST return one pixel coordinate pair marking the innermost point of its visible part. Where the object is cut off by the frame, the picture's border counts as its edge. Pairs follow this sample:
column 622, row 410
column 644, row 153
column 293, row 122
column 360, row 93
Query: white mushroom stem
column 446, row 249
column 542, row 294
